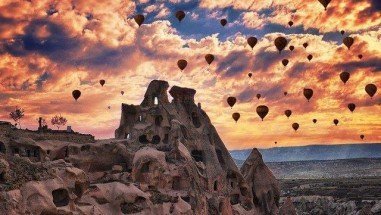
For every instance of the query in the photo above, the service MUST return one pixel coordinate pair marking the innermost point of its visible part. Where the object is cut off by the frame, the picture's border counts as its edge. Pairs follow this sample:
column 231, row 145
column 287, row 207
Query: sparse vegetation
column 17, row 115
column 58, row 121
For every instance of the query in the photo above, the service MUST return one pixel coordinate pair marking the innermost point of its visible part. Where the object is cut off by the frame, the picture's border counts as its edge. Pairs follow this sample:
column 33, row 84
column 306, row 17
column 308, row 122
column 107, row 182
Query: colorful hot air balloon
column 180, row 15
column 139, row 19
column 122, row 92
column 344, row 76
column 351, row 107
column 76, row 94
column 371, row 89
column 102, row 82
column 231, row 101
column 342, row 32
column 309, row 57
column 209, row 58
column 288, row 113
column 314, row 120
column 223, row 22
column 362, row 136
column 290, row 23
column 285, row 93
column 336, row 121
column 360, row 56
column 295, row 126
column 252, row 41
column 236, row 116
column 308, row 93
column 348, row 42
column 292, row 48
column 250, row 74
column 284, row 62
column 262, row 111
column 258, row 96
column 325, row 3
column 280, row 43
column 182, row 64
column 305, row 45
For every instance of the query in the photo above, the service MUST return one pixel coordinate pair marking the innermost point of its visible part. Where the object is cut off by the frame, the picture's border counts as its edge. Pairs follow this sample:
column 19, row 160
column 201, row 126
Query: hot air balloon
column 344, row 76
column 295, row 126
column 371, row 89
column 359, row 56
column 348, row 42
column 180, row 15
column 280, row 43
column 362, row 136
column 275, row 142
column 231, row 101
column 109, row 107
column 290, row 23
column 250, row 74
column 336, row 121
column 292, row 48
column 284, row 62
column 182, row 64
column 314, row 120
column 325, row 3
column 262, row 111
column 122, row 92
column 76, row 94
column 102, row 82
column 236, row 116
column 285, row 93
column 342, row 32
column 223, row 22
column 288, row 113
column 309, row 57
column 308, row 93
column 258, row 96
column 351, row 107
column 139, row 19
column 209, row 58
column 305, row 45
column 252, row 41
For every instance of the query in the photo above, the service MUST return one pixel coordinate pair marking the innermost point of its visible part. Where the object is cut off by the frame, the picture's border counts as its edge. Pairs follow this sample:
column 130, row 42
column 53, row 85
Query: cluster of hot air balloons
column 77, row 93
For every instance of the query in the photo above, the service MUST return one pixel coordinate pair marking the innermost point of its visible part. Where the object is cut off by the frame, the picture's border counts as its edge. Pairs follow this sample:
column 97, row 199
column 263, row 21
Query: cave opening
column 220, row 157
column 215, row 186
column 176, row 183
column 155, row 101
column 158, row 120
column 166, row 139
column 197, row 155
column 156, row 139
column 2, row 148
column 234, row 199
column 36, row 153
column 28, row 152
column 60, row 197
column 127, row 136
column 143, row 139
column 195, row 120
column 145, row 167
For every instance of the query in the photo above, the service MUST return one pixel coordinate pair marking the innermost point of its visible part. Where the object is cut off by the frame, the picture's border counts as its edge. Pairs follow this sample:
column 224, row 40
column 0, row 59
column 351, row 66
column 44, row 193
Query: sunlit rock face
column 166, row 158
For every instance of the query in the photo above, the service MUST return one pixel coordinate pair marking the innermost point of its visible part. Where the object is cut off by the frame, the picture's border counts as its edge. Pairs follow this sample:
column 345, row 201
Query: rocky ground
column 167, row 158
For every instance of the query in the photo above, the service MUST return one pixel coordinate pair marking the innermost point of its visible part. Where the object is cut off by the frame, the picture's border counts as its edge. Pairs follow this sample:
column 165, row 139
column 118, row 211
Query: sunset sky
column 50, row 48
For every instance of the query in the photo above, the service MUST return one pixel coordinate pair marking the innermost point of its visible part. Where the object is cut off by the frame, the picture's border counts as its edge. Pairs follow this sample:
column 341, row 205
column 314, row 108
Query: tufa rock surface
column 166, row 158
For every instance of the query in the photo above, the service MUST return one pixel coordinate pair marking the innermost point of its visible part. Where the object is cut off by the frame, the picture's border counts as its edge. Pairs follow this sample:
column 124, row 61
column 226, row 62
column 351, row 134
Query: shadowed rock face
column 167, row 158
column 263, row 184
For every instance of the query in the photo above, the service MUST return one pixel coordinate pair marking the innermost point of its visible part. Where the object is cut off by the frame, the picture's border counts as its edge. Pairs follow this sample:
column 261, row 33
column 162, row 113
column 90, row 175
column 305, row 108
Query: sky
column 50, row 48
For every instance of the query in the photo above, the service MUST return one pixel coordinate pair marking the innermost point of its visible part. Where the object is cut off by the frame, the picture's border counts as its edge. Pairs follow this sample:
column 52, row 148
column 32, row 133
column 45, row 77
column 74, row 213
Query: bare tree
column 16, row 115
column 58, row 121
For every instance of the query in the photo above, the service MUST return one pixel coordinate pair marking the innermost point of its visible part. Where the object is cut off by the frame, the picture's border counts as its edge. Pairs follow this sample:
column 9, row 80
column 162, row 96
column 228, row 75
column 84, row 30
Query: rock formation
column 166, row 158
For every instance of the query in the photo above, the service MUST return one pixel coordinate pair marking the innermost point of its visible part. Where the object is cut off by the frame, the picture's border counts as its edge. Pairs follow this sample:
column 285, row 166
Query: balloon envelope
column 285, row 62
column 362, row 136
column 231, row 101
column 371, row 89
column 262, row 111
column 325, row 3
column 336, row 121
column 180, row 15
column 344, row 76
column 305, row 45
column 295, row 126
column 223, row 22
column 292, row 48
column 308, row 93
column 250, row 74
column 309, row 57
column 182, row 64
column 288, row 113
column 252, row 41
column 351, row 107
column 76, row 94
column 139, row 19
column 236, row 116
column 209, row 58
column 348, row 42
column 314, row 120
column 280, row 43
column 258, row 96
column 102, row 82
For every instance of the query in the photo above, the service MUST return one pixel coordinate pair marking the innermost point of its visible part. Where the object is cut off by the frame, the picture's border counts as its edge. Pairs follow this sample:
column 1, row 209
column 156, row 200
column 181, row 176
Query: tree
column 41, row 123
column 58, row 121
column 16, row 115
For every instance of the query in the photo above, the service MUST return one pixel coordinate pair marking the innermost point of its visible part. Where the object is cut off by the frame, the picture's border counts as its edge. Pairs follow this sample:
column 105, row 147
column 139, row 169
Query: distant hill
column 313, row 152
